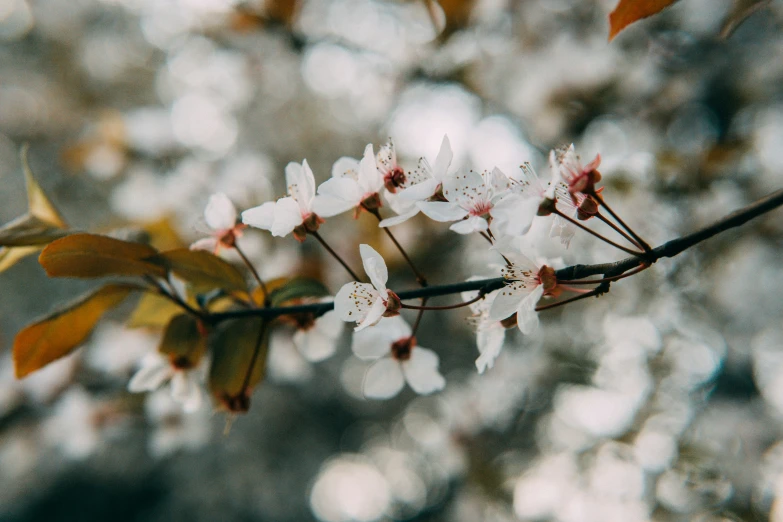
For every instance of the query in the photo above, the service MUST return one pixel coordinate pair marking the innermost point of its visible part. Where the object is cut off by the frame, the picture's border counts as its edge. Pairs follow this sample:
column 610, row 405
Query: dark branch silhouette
column 606, row 270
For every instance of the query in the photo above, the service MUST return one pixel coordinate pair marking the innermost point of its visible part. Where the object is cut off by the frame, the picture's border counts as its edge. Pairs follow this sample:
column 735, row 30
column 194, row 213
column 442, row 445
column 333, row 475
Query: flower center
column 402, row 348
column 480, row 209
column 394, row 179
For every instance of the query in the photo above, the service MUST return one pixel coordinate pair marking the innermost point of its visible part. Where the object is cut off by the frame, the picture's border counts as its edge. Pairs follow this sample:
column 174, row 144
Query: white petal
column 185, row 390
column 396, row 220
column 329, row 325
column 499, row 181
column 344, row 189
column 467, row 189
column 441, row 210
column 328, row 206
column 314, row 345
column 220, row 213
column 372, row 343
column 208, row 243
column 527, row 317
column 345, row 166
column 374, row 267
column 514, row 214
column 490, row 342
column 443, row 160
column 507, row 300
column 287, row 217
column 354, row 300
column 373, row 316
column 301, row 184
column 370, row 179
column 420, row 191
column 421, row 371
column 155, row 370
column 383, row 379
column 262, row 217
column 470, row 225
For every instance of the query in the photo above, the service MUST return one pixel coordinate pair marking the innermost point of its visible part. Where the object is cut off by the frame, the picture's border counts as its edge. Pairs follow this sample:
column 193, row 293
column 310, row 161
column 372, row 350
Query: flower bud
column 393, row 305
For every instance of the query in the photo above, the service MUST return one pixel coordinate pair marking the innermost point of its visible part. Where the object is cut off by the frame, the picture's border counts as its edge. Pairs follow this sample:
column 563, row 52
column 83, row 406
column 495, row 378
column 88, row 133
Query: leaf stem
column 335, row 255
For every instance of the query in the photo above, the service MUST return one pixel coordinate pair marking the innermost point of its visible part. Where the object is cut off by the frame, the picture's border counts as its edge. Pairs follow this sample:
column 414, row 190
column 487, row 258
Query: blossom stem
column 485, row 236
column 618, row 230
column 173, row 297
column 446, row 307
column 419, row 277
column 591, row 293
column 421, row 310
column 596, row 234
column 253, row 271
column 335, row 255
column 603, row 203
column 629, row 273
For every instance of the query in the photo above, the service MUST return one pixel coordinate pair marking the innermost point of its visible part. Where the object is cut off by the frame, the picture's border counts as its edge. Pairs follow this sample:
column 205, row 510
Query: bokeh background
column 661, row 401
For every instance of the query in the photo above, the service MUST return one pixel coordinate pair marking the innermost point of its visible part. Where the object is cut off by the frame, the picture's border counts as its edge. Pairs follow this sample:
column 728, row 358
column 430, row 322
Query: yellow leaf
column 153, row 311
column 239, row 352
column 29, row 230
column 39, row 205
column 201, row 269
column 90, row 255
column 59, row 333
column 184, row 341
column 629, row 11
column 10, row 256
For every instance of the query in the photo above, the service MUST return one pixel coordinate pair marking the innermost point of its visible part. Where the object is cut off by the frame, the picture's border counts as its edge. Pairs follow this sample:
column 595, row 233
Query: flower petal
column 421, row 371
column 346, row 166
column 354, row 300
column 507, row 300
column 301, row 184
column 185, row 390
column 155, row 370
column 314, row 345
column 514, row 214
column 443, row 160
column 374, row 267
column 262, row 216
column 343, row 189
column 467, row 189
column 420, row 191
column 287, row 217
column 220, row 213
column 527, row 317
column 370, row 179
column 208, row 243
column 490, row 342
column 373, row 316
column 383, row 379
column 328, row 206
column 441, row 210
column 470, row 225
column 372, row 343
column 396, row 220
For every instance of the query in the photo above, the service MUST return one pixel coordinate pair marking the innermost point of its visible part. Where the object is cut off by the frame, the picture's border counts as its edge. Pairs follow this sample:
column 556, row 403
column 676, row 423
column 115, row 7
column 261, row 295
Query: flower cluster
column 499, row 207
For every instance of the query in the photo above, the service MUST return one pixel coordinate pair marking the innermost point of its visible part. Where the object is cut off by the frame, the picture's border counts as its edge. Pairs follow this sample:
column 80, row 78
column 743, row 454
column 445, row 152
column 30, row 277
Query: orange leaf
column 153, row 311
column 184, row 341
column 59, row 333
column 90, row 255
column 629, row 11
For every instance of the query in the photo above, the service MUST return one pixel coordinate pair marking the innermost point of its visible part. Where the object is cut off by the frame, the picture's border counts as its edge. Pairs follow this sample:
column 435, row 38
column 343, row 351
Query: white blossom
column 319, row 340
column 398, row 359
column 522, row 292
column 221, row 217
column 283, row 216
column 490, row 333
column 366, row 303
column 352, row 184
column 156, row 369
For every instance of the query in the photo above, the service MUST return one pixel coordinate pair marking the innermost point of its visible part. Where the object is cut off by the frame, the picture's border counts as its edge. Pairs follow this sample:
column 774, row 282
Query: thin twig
column 254, row 358
column 335, row 255
column 446, row 307
column 419, row 277
column 618, row 230
column 594, row 233
column 617, row 218
column 253, row 271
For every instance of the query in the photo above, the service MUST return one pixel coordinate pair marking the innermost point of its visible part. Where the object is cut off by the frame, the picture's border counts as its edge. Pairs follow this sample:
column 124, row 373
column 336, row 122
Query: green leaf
column 201, row 269
column 29, row 230
column 239, row 352
column 90, row 255
column 184, row 341
column 629, row 11
column 61, row 332
column 298, row 288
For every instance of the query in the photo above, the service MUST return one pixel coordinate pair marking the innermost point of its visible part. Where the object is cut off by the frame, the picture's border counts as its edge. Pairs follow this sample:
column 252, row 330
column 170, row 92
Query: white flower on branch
column 317, row 341
column 294, row 213
column 398, row 359
column 526, row 283
column 221, row 216
column 474, row 200
column 353, row 185
column 366, row 303
column 156, row 369
column 577, row 177
column 490, row 333
column 425, row 183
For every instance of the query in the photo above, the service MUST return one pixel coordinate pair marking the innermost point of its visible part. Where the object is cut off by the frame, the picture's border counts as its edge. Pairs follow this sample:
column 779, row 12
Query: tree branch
column 608, row 270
